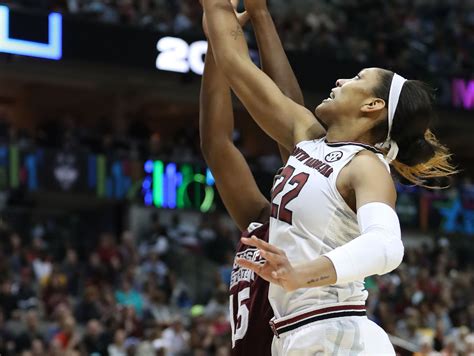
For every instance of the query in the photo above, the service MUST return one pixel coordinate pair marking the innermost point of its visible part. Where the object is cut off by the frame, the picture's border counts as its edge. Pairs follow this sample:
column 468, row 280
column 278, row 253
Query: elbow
column 213, row 149
column 205, row 149
column 208, row 149
column 394, row 255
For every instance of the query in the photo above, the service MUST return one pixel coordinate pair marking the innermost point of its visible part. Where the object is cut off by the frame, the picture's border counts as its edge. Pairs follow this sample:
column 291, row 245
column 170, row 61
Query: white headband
column 393, row 98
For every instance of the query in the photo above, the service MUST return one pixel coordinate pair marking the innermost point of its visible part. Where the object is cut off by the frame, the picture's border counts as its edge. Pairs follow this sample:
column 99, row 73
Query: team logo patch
column 333, row 156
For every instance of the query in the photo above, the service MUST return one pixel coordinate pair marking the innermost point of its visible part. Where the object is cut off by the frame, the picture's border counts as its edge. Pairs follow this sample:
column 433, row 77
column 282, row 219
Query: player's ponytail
column 424, row 159
column 421, row 159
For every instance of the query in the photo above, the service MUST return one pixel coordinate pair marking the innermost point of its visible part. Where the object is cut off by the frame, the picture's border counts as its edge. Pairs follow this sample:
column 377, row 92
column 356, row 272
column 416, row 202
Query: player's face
column 348, row 97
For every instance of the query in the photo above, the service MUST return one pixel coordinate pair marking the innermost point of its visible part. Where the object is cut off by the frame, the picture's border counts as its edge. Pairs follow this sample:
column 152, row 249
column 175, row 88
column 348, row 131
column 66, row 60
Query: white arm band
column 378, row 250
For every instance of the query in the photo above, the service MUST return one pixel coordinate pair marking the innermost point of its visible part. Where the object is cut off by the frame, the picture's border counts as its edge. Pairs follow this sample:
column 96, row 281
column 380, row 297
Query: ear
column 373, row 105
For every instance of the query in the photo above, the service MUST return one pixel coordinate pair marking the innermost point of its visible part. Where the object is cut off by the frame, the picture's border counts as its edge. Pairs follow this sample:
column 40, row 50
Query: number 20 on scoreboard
column 176, row 55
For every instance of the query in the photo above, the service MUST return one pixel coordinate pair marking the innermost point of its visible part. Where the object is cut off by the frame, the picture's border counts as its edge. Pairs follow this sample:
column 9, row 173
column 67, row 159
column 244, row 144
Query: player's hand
column 276, row 269
column 242, row 17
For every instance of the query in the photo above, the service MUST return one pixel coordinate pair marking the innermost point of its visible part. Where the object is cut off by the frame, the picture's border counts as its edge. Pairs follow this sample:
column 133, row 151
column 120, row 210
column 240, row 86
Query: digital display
column 176, row 55
column 463, row 94
column 173, row 186
column 50, row 50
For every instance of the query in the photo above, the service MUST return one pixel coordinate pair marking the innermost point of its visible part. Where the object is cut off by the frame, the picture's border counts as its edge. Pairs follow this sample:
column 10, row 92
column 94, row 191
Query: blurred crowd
column 134, row 140
column 428, row 301
column 112, row 296
column 410, row 35
column 127, row 295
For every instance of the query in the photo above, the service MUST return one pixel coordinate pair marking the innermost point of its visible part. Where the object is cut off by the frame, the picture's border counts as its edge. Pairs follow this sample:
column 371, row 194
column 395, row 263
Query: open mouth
column 332, row 96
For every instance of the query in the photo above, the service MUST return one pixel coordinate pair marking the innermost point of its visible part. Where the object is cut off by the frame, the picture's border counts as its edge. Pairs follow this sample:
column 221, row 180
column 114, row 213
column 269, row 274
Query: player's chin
column 325, row 106
column 322, row 113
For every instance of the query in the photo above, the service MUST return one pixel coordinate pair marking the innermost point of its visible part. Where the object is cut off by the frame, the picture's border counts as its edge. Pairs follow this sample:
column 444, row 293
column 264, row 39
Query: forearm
column 378, row 250
column 272, row 55
column 317, row 273
column 274, row 61
column 364, row 256
column 225, row 34
column 216, row 121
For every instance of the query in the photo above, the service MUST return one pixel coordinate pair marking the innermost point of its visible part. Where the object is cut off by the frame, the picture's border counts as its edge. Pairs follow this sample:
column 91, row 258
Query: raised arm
column 273, row 58
column 272, row 55
column 280, row 117
column 235, row 183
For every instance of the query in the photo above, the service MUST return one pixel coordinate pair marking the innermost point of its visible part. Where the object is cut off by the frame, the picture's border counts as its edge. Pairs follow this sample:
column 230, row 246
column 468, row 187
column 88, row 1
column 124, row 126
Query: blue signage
column 50, row 50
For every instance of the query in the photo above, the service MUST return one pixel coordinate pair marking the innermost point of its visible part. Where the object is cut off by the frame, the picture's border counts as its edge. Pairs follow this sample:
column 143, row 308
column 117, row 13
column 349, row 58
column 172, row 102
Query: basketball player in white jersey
column 332, row 221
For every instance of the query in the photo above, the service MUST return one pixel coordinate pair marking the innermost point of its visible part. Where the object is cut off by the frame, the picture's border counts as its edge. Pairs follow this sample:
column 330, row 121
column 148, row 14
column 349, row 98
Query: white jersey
column 310, row 218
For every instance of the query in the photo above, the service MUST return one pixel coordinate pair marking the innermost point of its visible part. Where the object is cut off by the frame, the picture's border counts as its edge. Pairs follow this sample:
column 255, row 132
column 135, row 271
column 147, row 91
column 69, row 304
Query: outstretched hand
column 242, row 17
column 276, row 269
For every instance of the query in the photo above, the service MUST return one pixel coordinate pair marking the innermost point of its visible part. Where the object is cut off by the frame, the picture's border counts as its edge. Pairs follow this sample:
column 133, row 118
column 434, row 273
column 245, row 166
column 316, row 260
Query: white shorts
column 351, row 335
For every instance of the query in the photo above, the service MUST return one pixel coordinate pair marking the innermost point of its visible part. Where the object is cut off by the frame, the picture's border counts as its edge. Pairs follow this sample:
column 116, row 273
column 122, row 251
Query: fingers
column 280, row 273
column 273, row 257
column 263, row 270
column 262, row 245
column 242, row 262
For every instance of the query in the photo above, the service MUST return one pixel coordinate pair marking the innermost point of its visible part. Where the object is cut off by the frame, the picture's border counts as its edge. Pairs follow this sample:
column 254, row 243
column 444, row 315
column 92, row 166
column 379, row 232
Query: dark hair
column 421, row 157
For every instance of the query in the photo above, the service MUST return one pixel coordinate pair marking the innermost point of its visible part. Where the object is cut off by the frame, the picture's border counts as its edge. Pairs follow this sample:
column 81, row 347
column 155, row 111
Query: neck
column 339, row 132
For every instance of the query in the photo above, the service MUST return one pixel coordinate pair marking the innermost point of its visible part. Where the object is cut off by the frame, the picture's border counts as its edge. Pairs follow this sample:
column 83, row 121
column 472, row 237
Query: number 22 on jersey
column 297, row 181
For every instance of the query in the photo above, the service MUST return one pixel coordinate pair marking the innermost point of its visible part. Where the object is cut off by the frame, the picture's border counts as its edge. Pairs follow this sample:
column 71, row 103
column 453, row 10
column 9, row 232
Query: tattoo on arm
column 318, row 279
column 237, row 32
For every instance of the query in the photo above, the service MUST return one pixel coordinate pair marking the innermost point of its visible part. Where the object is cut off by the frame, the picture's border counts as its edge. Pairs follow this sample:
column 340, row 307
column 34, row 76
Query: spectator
column 219, row 304
column 128, row 296
column 7, row 339
column 117, row 348
column 54, row 291
column 72, row 271
column 95, row 340
column 67, row 339
column 8, row 300
column 176, row 339
column 32, row 332
column 89, row 308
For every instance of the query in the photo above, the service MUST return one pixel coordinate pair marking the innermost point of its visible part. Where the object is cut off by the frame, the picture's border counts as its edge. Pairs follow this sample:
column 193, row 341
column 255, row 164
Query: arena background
column 113, row 238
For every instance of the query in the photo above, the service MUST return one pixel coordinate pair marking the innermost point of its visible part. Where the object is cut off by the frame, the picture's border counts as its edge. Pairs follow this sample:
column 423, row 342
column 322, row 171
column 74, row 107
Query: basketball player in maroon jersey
column 250, row 309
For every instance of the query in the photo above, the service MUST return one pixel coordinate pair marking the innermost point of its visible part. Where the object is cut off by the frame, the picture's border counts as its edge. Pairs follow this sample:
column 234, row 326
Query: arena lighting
column 463, row 94
column 166, row 186
column 51, row 50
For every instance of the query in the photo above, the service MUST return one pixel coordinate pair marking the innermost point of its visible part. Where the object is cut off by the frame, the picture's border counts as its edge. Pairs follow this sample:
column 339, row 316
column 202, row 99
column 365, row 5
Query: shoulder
column 369, row 177
column 367, row 165
column 368, row 158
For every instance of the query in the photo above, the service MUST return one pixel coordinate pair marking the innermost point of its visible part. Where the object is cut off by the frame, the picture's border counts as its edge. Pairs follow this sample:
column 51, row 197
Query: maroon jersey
column 249, row 306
